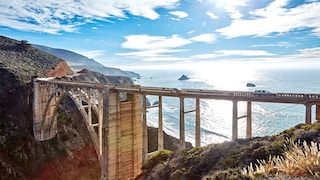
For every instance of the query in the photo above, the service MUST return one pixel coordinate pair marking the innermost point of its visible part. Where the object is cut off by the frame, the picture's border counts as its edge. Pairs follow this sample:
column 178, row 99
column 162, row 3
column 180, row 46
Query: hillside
column 226, row 160
column 79, row 62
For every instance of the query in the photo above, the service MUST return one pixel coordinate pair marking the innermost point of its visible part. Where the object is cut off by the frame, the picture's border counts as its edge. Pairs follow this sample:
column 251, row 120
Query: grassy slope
column 225, row 160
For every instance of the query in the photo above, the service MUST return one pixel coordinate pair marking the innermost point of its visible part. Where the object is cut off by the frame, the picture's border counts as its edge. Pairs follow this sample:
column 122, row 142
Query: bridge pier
column 249, row 120
column 234, row 120
column 182, row 125
column 318, row 112
column 197, row 139
column 308, row 113
column 123, row 130
column 160, row 125
column 144, row 128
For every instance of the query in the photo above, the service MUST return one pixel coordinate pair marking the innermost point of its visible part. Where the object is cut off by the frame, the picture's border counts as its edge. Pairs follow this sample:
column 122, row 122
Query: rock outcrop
column 183, row 78
column 62, row 69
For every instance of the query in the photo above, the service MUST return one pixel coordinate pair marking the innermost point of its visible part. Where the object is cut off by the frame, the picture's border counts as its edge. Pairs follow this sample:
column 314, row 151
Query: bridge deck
column 296, row 98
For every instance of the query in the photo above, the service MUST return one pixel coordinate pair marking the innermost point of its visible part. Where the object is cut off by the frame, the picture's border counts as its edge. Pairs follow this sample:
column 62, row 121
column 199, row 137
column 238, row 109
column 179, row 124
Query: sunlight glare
column 227, row 76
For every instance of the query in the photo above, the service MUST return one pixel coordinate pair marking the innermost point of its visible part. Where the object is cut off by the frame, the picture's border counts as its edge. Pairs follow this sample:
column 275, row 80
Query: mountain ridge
column 78, row 62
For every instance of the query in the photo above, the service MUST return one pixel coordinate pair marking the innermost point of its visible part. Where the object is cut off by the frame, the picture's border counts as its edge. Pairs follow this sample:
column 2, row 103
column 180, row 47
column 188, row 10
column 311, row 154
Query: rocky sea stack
column 183, row 78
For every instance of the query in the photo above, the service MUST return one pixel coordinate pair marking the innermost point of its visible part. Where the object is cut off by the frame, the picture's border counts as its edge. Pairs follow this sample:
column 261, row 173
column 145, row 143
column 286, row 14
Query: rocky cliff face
column 62, row 69
column 70, row 155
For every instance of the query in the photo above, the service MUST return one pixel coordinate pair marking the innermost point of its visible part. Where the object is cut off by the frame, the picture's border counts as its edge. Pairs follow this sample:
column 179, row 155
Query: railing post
column 249, row 120
column 160, row 125
column 182, row 128
column 234, row 120
column 197, row 143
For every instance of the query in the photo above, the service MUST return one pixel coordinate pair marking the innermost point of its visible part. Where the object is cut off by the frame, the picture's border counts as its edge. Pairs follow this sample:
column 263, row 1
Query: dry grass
column 297, row 161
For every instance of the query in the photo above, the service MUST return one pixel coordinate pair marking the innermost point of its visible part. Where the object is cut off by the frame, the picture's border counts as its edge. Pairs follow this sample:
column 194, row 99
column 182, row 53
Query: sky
column 132, row 34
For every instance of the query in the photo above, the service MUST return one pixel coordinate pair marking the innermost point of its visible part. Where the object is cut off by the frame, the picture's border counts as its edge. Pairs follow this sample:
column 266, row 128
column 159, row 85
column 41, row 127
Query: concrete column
column 182, row 128
column 104, row 131
column 144, row 128
column 198, row 142
column 308, row 113
column 100, row 120
column 90, row 107
column 234, row 120
column 318, row 112
column 249, row 120
column 37, row 115
column 160, row 124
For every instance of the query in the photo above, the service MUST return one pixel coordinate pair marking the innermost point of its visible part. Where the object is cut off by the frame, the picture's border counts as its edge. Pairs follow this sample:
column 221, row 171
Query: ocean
column 216, row 115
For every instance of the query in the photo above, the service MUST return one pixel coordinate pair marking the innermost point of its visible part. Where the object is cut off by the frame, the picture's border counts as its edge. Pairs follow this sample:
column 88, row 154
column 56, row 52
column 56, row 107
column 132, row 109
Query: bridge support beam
column 249, row 120
column 197, row 139
column 182, row 124
column 144, row 129
column 160, row 125
column 308, row 113
column 234, row 120
column 318, row 112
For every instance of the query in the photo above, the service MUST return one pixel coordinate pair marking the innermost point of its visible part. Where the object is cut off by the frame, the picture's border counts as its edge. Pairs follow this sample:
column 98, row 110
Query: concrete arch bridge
column 119, row 134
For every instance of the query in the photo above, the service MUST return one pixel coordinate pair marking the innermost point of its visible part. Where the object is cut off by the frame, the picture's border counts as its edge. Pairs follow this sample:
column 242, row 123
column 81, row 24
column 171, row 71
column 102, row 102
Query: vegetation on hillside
column 227, row 160
column 299, row 160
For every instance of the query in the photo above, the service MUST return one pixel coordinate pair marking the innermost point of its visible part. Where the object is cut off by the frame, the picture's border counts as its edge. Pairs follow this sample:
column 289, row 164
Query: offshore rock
column 183, row 78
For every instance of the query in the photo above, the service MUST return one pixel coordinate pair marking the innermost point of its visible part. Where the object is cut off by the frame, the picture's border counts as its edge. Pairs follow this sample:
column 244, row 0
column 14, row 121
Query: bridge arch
column 117, row 135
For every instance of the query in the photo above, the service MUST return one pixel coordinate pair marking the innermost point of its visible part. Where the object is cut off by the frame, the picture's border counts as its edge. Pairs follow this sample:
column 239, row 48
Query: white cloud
column 149, row 48
column 231, row 6
column 275, row 18
column 207, row 38
column 211, row 15
column 90, row 54
column 310, row 52
column 243, row 53
column 52, row 16
column 146, row 42
column 279, row 44
column 179, row 14
column 204, row 56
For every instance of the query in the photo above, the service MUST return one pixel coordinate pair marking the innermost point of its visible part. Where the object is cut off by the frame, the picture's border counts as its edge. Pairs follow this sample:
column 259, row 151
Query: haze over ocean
column 216, row 115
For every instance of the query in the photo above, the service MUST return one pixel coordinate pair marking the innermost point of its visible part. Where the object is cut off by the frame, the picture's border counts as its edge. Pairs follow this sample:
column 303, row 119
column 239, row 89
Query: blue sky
column 133, row 34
